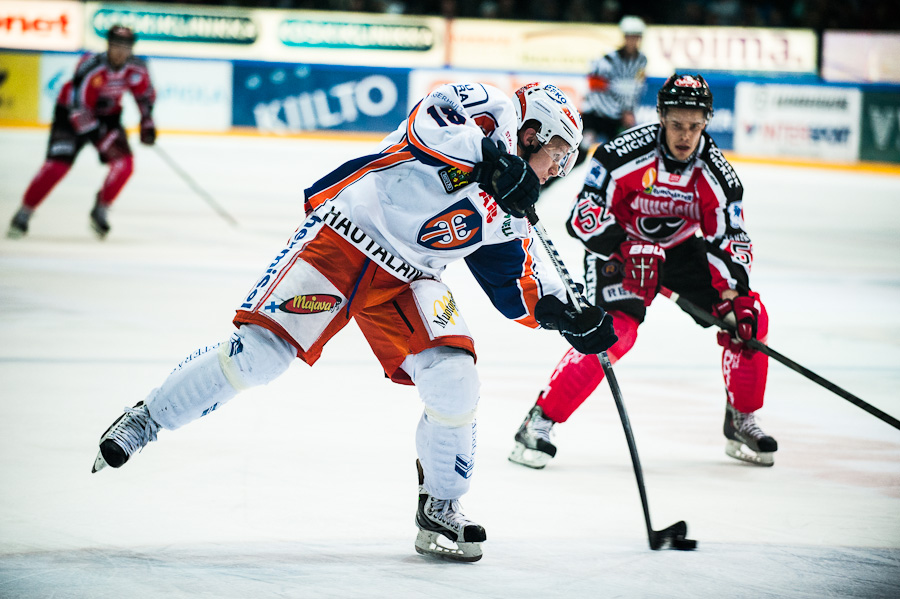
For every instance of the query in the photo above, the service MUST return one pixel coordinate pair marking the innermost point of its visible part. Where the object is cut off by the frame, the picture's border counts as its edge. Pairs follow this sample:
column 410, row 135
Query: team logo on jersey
column 736, row 215
column 453, row 178
column 648, row 179
column 311, row 304
column 611, row 269
column 459, row 226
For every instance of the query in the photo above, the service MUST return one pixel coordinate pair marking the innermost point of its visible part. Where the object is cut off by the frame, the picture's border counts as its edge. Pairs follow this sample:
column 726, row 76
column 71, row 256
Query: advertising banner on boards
column 810, row 121
column 50, row 25
column 340, row 38
column 289, row 97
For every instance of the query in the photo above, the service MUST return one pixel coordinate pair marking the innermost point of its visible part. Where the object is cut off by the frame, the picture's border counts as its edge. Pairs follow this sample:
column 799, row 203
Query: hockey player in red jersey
column 452, row 182
column 89, row 109
column 662, row 206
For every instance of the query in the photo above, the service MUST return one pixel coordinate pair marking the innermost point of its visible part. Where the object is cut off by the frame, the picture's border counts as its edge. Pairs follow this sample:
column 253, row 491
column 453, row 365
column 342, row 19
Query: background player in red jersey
column 89, row 108
column 662, row 206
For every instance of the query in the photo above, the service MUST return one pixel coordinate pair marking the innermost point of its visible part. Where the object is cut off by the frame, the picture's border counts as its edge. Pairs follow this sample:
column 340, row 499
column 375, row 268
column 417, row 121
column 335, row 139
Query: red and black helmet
column 685, row 91
column 119, row 34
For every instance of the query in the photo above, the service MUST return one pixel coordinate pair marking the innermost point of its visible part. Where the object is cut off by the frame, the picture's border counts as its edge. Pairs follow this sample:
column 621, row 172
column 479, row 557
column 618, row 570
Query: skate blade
column 99, row 463
column 437, row 545
column 531, row 458
column 739, row 451
column 15, row 233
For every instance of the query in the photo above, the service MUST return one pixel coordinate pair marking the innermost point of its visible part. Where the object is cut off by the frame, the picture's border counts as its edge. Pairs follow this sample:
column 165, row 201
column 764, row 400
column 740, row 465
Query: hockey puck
column 684, row 544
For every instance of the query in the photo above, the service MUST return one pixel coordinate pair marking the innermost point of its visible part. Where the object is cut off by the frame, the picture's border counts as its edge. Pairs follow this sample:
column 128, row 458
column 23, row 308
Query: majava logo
column 306, row 33
column 178, row 27
column 311, row 304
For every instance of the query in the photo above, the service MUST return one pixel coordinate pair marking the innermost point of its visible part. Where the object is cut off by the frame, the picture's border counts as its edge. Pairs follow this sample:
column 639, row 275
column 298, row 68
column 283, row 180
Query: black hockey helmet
column 685, row 91
column 119, row 34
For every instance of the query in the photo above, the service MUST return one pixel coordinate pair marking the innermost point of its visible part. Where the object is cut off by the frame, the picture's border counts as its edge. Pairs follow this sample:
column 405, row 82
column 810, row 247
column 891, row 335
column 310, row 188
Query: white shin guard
column 445, row 438
column 211, row 376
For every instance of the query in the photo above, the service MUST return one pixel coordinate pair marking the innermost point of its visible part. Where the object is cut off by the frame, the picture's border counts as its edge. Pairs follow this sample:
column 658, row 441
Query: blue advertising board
column 290, row 97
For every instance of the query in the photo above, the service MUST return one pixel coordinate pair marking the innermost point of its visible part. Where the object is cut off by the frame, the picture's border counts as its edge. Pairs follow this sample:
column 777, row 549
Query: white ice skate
column 130, row 433
column 533, row 447
column 746, row 441
column 443, row 529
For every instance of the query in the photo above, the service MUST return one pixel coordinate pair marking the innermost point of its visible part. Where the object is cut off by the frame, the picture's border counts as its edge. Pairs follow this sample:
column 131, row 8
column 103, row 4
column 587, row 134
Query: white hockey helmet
column 631, row 25
column 556, row 114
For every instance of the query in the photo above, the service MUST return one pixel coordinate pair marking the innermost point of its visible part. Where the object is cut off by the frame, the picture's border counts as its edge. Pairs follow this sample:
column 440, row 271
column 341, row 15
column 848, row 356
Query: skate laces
column 747, row 425
column 134, row 430
column 448, row 512
column 539, row 425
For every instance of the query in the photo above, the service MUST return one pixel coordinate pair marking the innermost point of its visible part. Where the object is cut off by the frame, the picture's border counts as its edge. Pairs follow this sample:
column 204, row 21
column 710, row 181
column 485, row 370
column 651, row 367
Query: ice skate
column 98, row 219
column 18, row 227
column 746, row 441
column 443, row 529
column 130, row 433
column 533, row 447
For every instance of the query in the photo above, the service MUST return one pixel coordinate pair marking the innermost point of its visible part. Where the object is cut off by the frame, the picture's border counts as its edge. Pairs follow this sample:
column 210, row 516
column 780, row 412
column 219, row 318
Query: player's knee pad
column 254, row 356
column 448, row 384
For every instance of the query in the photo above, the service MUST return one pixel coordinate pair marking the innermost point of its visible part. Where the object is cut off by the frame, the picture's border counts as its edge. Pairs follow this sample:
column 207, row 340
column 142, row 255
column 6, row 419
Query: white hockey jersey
column 414, row 198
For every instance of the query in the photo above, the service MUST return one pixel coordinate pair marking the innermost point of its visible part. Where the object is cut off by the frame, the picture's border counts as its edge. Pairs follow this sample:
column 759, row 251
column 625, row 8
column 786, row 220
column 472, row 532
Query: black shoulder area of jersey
column 88, row 65
column 718, row 164
column 628, row 145
column 136, row 61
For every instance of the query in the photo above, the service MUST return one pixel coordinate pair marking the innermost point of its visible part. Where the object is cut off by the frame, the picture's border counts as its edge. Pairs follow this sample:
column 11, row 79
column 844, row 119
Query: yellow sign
column 19, row 87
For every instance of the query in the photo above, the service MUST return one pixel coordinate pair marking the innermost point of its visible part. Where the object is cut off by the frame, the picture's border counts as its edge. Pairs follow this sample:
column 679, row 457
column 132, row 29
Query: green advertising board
column 880, row 126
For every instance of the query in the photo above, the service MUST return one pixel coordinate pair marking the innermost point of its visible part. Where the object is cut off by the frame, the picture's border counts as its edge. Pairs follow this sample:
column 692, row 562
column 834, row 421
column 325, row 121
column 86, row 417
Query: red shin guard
column 577, row 375
column 745, row 372
column 44, row 181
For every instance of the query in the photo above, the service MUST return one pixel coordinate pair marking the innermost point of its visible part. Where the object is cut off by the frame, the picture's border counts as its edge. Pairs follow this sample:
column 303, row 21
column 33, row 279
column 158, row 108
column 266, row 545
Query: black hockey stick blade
column 701, row 314
column 673, row 537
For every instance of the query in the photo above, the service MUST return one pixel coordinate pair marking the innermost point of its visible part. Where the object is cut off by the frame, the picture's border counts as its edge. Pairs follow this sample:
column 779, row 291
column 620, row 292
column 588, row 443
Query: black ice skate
column 443, row 529
column 746, row 441
column 533, row 447
column 130, row 433
column 18, row 227
column 98, row 219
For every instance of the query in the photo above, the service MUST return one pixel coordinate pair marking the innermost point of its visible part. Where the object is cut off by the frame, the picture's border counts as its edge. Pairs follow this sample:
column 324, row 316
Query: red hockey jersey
column 634, row 191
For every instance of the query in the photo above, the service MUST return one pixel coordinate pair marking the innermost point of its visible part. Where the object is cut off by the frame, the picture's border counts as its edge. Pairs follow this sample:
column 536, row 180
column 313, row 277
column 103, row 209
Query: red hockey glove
column 148, row 131
column 743, row 314
column 641, row 261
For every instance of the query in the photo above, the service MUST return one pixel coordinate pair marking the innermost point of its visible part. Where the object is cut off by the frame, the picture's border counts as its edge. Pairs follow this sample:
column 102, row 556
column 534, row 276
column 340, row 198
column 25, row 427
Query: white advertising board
column 299, row 36
column 808, row 121
column 732, row 49
column 34, row 25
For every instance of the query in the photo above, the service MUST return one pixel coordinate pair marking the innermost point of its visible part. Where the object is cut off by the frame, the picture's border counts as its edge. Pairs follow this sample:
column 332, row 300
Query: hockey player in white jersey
column 453, row 181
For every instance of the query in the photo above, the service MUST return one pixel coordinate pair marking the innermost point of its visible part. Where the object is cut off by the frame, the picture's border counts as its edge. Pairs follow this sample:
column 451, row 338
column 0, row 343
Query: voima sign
column 41, row 25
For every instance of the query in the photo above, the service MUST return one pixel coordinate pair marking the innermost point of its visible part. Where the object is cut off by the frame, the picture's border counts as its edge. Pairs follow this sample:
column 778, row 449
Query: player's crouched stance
column 661, row 206
column 453, row 181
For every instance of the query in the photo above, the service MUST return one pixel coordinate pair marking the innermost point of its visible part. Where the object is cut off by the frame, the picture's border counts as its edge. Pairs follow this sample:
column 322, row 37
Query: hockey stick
column 193, row 185
column 674, row 535
column 701, row 314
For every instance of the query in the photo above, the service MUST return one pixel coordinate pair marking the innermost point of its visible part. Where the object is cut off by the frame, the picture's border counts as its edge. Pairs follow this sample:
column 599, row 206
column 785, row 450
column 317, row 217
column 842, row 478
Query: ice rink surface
column 306, row 487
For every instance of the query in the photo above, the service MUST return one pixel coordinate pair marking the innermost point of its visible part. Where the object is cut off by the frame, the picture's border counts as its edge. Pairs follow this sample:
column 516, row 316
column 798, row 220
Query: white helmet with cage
column 631, row 25
column 556, row 114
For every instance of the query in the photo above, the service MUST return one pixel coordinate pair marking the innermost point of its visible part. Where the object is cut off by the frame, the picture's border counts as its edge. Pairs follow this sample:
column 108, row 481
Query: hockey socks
column 120, row 171
column 577, row 375
column 44, row 181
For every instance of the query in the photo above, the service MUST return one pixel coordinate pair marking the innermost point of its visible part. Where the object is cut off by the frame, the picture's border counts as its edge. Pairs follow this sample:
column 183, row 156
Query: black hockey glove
column 589, row 331
column 508, row 178
column 148, row 131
